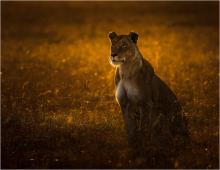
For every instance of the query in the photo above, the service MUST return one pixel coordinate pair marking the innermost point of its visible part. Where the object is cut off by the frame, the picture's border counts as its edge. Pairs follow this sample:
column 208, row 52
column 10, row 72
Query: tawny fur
column 151, row 111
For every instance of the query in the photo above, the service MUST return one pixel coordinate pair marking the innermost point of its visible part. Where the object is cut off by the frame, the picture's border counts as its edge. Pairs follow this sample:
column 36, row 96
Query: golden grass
column 58, row 104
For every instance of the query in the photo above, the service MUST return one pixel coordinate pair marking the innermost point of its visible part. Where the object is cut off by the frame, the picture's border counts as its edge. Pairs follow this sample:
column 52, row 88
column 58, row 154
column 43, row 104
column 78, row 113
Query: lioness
column 150, row 109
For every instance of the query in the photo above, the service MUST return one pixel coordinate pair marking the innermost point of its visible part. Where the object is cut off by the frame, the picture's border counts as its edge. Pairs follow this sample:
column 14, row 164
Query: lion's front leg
column 143, row 114
column 134, row 123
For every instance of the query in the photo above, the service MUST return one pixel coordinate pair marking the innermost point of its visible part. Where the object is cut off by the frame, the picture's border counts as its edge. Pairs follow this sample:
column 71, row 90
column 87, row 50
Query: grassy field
column 58, row 108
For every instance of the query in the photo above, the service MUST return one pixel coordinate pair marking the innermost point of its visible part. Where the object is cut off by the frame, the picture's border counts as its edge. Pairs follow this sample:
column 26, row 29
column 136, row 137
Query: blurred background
column 57, row 100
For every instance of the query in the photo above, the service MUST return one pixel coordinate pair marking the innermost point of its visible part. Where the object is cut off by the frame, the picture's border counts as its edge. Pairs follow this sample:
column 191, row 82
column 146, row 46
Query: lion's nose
column 113, row 55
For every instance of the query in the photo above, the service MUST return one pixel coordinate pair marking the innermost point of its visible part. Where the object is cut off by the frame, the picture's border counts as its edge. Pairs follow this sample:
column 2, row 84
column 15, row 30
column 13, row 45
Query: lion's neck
column 130, row 68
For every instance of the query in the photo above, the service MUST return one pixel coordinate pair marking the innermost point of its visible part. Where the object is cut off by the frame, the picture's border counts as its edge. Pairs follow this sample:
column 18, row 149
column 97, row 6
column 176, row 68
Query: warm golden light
column 58, row 106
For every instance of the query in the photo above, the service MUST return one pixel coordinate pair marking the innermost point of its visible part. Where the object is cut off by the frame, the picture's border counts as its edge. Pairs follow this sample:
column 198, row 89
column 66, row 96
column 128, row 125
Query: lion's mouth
column 117, row 62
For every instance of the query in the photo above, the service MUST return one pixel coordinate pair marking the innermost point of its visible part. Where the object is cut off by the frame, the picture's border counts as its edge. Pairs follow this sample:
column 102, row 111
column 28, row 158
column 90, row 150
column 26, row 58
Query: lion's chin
column 117, row 62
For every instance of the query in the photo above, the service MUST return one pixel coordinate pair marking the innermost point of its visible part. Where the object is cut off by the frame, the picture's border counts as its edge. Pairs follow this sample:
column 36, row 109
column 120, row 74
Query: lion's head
column 123, row 47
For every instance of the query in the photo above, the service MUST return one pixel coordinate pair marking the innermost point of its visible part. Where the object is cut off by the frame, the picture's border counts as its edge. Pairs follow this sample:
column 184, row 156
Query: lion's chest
column 128, row 90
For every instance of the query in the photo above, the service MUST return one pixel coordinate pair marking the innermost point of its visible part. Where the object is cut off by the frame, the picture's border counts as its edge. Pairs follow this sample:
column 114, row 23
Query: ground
column 58, row 108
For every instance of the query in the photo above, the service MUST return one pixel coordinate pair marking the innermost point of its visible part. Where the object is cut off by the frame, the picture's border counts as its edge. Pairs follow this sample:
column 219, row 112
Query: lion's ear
column 133, row 36
column 112, row 35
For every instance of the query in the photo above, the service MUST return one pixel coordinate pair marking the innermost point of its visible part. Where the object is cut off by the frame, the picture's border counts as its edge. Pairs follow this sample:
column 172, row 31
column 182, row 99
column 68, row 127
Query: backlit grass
column 58, row 104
